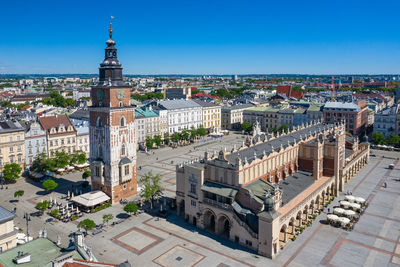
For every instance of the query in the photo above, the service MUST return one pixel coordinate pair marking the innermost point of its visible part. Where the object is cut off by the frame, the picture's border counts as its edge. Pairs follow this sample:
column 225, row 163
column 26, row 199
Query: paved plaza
column 148, row 241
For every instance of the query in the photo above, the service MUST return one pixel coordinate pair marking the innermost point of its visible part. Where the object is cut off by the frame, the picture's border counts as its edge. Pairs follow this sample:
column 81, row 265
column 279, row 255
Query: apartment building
column 8, row 235
column 12, row 144
column 60, row 133
column 355, row 115
column 232, row 116
column 211, row 115
column 35, row 142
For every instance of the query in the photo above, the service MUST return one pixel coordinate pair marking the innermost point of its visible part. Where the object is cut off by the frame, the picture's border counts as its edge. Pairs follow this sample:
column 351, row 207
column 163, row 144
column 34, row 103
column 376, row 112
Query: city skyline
column 207, row 39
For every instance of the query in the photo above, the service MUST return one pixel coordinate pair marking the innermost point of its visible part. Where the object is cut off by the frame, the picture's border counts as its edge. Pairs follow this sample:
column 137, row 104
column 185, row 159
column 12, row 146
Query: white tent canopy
column 350, row 198
column 338, row 211
column 332, row 217
column 359, row 200
column 91, row 199
column 344, row 220
column 355, row 206
column 349, row 212
column 345, row 203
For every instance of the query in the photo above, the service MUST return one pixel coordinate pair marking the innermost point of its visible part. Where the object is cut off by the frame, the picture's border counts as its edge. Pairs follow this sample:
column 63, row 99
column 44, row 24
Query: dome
column 110, row 42
column 269, row 204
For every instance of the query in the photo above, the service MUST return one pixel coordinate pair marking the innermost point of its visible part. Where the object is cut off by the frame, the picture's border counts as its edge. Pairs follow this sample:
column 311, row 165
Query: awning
column 332, row 217
column 91, row 199
column 338, row 211
column 219, row 189
column 359, row 200
column 350, row 198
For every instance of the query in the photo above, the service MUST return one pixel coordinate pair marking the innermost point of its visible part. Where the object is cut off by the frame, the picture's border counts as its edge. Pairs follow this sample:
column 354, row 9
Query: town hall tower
column 112, row 131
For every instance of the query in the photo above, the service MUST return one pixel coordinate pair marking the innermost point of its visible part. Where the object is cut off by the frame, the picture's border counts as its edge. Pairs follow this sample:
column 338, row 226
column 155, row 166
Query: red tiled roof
column 287, row 90
column 55, row 121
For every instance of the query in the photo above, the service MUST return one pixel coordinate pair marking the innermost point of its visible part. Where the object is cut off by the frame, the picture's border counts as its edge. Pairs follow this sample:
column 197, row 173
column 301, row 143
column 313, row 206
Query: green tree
column 185, row 135
column 176, row 137
column 78, row 157
column 86, row 174
column 149, row 142
column 42, row 206
column 201, row 131
column 87, row 224
column 49, row 185
column 283, row 128
column 19, row 193
column 151, row 186
column 378, row 138
column 107, row 218
column 157, row 140
column 11, row 172
column 166, row 138
column 131, row 208
column 62, row 159
column 247, row 127
column 43, row 163
column 393, row 140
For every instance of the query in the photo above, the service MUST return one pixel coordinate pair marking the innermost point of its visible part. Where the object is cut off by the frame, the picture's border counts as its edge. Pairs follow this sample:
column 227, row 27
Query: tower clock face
column 100, row 94
column 120, row 94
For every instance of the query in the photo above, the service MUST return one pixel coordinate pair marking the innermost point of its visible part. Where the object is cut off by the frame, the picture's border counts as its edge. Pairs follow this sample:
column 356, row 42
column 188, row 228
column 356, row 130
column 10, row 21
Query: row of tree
column 58, row 100
column 381, row 139
column 147, row 96
column 43, row 163
column 248, row 128
column 187, row 135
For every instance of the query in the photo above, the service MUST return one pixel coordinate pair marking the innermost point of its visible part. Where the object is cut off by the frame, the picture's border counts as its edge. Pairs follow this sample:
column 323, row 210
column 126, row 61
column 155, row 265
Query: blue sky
column 202, row 37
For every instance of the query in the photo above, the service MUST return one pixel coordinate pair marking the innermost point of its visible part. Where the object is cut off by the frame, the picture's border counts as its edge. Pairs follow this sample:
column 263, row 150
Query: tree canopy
column 11, row 171
column 131, row 208
column 87, row 224
column 151, row 186
column 49, row 185
column 247, row 127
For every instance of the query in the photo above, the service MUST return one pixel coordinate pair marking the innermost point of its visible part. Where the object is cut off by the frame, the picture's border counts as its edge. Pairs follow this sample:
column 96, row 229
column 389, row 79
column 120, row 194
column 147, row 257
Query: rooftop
column 342, row 105
column 42, row 251
column 295, row 184
column 5, row 215
column 178, row 104
column 10, row 126
column 257, row 150
column 244, row 106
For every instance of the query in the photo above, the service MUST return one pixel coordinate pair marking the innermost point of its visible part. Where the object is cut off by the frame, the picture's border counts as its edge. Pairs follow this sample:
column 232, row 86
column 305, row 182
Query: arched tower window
column 123, row 122
column 100, row 156
column 123, row 150
column 120, row 103
column 98, row 122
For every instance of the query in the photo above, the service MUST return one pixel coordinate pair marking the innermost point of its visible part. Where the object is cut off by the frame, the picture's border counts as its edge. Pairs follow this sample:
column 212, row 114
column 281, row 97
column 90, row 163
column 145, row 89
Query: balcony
column 217, row 204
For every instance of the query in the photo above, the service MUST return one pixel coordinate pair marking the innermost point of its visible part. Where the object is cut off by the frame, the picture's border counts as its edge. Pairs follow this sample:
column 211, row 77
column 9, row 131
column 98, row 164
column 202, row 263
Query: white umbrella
column 77, row 210
column 72, row 194
column 344, row 220
column 68, row 215
column 68, row 194
column 332, row 217
column 350, row 198
column 344, row 203
column 360, row 200
column 349, row 212
column 338, row 211
column 355, row 206
column 51, row 200
column 55, row 201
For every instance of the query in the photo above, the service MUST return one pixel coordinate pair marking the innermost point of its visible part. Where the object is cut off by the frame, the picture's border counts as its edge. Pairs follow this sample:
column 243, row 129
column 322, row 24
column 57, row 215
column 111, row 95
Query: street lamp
column 27, row 218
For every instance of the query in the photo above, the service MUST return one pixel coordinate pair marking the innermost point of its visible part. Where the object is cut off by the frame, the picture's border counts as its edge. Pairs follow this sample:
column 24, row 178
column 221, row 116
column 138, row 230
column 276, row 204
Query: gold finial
column 111, row 30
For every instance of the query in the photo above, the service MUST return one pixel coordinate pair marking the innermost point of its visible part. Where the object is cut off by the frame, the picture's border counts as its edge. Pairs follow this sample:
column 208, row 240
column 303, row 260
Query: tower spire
column 110, row 30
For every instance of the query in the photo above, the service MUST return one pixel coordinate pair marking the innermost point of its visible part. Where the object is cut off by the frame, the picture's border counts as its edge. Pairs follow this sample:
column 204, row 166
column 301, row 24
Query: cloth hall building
column 259, row 193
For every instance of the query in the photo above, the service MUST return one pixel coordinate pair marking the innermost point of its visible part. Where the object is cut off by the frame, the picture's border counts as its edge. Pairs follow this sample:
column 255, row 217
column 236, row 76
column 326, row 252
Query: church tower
column 112, row 131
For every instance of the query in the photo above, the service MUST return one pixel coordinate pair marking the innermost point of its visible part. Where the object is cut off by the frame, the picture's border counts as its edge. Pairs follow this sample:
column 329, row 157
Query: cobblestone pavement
column 148, row 241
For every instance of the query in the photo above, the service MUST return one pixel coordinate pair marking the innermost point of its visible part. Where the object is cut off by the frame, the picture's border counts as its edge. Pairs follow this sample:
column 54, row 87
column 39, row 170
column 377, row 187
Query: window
column 62, row 141
column 193, row 188
column 97, row 171
column 19, row 148
column 19, row 159
column 11, row 149
column 123, row 121
column 18, row 138
column 11, row 159
column 11, row 139
column 193, row 203
column 126, row 169
column 30, row 143
column 123, row 150
column 51, row 143
column 98, row 123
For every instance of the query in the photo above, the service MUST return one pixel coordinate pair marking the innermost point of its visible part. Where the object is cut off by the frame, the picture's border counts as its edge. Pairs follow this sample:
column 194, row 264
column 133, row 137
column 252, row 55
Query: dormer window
column 53, row 130
column 70, row 128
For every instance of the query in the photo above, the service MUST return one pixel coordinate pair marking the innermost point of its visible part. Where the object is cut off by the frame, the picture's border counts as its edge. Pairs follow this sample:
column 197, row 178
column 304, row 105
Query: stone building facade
column 60, row 134
column 254, row 194
column 12, row 144
column 112, row 131
column 35, row 142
